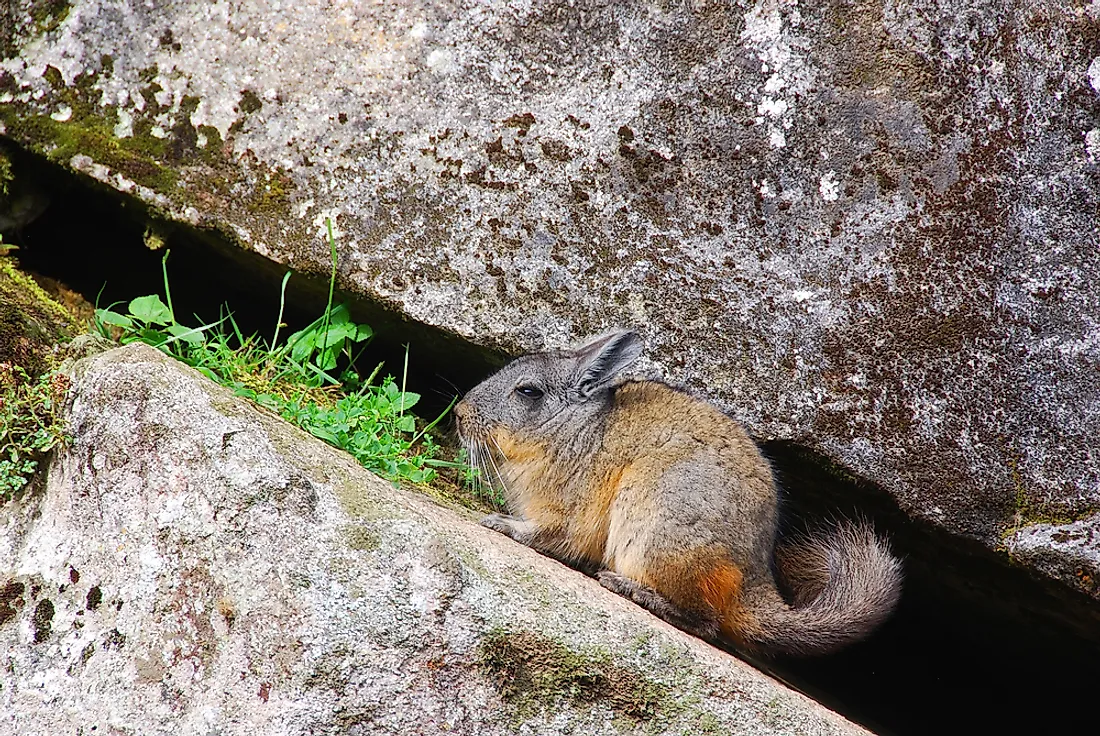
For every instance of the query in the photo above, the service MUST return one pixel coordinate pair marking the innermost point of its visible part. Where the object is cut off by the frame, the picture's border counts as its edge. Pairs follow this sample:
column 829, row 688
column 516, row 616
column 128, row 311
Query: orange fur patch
column 516, row 450
column 720, row 587
column 595, row 513
column 709, row 585
column 590, row 526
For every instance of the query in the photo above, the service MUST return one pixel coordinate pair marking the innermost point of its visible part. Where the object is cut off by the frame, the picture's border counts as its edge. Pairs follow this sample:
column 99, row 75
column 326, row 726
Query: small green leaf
column 108, row 317
column 339, row 315
column 326, row 361
column 407, row 423
column 189, row 335
column 303, row 346
column 335, row 336
column 406, row 400
column 151, row 310
column 214, row 377
column 269, row 402
column 323, row 433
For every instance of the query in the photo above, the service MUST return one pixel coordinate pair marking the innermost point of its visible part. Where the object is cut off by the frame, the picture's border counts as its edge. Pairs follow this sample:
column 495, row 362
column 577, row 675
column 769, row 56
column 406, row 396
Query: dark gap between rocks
column 91, row 238
column 977, row 646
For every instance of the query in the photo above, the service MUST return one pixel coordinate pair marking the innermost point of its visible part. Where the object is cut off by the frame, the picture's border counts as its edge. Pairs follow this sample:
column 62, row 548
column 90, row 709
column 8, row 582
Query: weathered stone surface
column 196, row 566
column 869, row 227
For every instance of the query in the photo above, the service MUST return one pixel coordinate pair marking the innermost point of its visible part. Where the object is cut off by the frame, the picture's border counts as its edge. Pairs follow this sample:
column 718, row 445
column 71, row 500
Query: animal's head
column 545, row 397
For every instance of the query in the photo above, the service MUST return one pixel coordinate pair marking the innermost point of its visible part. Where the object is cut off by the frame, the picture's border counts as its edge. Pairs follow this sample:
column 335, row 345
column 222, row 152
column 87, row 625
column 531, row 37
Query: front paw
column 615, row 582
column 500, row 523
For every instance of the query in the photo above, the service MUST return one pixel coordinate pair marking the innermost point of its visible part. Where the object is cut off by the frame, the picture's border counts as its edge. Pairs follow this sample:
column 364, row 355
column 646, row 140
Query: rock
column 197, row 566
column 865, row 227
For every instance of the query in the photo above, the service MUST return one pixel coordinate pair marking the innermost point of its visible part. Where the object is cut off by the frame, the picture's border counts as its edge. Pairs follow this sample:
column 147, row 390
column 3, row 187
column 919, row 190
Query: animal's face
column 543, row 400
column 520, row 399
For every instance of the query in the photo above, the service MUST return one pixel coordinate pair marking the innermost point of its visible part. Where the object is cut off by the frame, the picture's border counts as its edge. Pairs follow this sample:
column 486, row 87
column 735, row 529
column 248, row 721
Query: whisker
column 458, row 391
column 477, row 453
column 500, row 476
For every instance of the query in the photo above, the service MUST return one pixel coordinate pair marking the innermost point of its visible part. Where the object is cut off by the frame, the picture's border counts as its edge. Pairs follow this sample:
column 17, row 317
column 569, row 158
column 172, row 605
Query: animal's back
column 684, row 459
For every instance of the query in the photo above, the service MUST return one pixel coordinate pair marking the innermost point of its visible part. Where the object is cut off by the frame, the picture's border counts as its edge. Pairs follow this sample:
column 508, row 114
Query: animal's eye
column 528, row 391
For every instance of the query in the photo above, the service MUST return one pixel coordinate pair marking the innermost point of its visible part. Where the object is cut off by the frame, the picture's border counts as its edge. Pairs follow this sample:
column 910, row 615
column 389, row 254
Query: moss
column 148, row 74
column 708, row 723
column 1026, row 512
column 53, row 77
column 273, row 196
column 472, row 562
column 534, row 672
column 133, row 157
column 88, row 128
column 6, row 176
column 32, row 293
column 249, row 104
column 213, row 137
column 149, row 95
column 47, row 15
column 361, row 538
column 31, row 322
column 81, row 96
column 155, row 160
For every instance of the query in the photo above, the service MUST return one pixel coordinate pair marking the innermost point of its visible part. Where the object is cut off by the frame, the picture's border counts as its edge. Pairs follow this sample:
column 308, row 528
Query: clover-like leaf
column 151, row 310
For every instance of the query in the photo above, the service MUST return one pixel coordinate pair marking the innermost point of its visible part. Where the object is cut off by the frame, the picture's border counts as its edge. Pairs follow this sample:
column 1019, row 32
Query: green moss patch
column 361, row 538
column 532, row 672
column 47, row 15
column 6, row 175
column 87, row 127
column 1028, row 512
column 134, row 158
column 31, row 323
column 162, row 151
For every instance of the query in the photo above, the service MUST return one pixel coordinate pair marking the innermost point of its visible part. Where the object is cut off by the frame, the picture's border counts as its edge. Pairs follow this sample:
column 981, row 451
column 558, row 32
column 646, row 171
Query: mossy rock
column 533, row 671
column 32, row 324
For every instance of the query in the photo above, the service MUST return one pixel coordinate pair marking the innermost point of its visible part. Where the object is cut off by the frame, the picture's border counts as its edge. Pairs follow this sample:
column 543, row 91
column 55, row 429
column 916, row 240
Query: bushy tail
column 843, row 587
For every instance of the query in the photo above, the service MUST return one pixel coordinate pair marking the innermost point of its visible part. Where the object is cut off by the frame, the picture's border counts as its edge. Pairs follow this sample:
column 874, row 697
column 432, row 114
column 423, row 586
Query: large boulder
column 197, row 566
column 866, row 227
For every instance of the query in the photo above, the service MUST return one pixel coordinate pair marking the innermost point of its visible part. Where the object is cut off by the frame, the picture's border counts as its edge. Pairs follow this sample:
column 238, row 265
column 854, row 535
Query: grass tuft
column 299, row 380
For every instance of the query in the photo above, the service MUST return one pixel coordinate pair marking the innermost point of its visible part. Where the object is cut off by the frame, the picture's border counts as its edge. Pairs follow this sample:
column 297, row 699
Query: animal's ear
column 603, row 358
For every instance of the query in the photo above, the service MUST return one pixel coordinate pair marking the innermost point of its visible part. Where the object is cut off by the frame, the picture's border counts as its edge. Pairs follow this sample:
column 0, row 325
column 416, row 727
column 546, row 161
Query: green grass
column 30, row 424
column 370, row 417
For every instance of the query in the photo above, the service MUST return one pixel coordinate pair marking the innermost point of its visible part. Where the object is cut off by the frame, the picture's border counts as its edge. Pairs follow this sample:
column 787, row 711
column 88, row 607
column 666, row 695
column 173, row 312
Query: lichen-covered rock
column 869, row 227
column 197, row 566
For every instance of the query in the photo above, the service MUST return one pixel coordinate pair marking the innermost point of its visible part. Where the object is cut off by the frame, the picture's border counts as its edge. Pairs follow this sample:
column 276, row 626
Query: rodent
column 668, row 502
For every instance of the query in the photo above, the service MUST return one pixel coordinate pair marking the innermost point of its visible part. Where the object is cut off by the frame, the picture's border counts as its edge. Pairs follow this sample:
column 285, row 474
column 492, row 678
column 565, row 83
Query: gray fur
column 844, row 587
